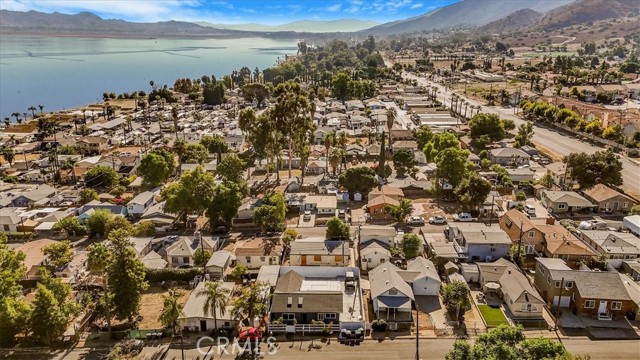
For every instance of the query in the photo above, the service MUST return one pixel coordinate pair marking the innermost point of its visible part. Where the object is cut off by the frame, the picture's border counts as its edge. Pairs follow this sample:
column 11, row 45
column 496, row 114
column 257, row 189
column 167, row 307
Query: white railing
column 302, row 328
column 605, row 316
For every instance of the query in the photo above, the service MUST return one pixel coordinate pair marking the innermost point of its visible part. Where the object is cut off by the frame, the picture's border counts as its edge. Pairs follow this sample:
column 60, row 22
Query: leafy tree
column 382, row 159
column 547, row 181
column 97, row 222
column 118, row 223
column 453, row 165
column 403, row 161
column 88, row 195
column 14, row 318
column 340, row 86
column 455, row 296
column 14, row 312
column 289, row 235
column 600, row 167
column 525, row 133
column 423, row 136
column 507, row 124
column 59, row 254
column 337, row 229
column 473, row 190
column 71, row 226
column 156, row 167
column 102, row 177
column 400, row 212
column 541, row 348
column 252, row 301
column 194, row 154
column 191, row 194
column 214, row 93
column 502, row 176
column 271, row 214
column 239, row 271
column 231, row 168
column 144, row 228
column 613, row 132
column 215, row 145
column 358, row 179
column 461, row 351
column 126, row 276
column 411, row 246
column 255, row 92
column 98, row 260
column 118, row 190
column 216, row 296
column 171, row 310
column 225, row 202
column 514, row 256
column 201, row 257
column 8, row 154
column 438, row 143
column 48, row 320
column 486, row 125
column 635, row 210
column 521, row 196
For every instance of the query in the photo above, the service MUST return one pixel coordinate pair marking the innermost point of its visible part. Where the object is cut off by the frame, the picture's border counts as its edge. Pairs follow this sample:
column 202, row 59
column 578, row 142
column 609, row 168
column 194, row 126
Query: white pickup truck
column 464, row 217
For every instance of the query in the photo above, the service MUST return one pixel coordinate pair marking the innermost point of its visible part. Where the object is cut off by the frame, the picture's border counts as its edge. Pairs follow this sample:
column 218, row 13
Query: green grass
column 493, row 317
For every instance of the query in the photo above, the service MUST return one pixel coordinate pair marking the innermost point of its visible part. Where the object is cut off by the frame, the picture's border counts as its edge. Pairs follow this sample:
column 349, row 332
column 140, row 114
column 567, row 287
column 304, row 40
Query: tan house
column 257, row 252
column 319, row 252
column 564, row 201
column 389, row 191
column 93, row 144
column 606, row 198
column 34, row 257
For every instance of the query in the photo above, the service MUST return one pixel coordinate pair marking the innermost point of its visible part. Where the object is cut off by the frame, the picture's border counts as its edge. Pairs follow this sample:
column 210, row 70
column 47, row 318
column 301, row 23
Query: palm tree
column 70, row 164
column 75, row 122
column 171, row 310
column 98, row 259
column 341, row 141
column 41, row 107
column 7, row 121
column 216, row 297
column 391, row 119
column 329, row 141
column 17, row 116
column 33, row 111
column 174, row 115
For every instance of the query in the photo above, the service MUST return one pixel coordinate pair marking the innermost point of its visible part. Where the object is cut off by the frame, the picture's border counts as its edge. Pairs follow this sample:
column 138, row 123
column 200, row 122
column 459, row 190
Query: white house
column 181, row 252
column 324, row 204
column 141, row 203
column 373, row 254
column 256, row 252
column 384, row 234
column 319, row 252
column 426, row 280
column 195, row 319
column 218, row 264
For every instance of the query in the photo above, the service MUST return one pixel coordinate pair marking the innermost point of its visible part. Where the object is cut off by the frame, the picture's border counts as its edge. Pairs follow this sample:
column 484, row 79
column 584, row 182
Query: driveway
column 308, row 223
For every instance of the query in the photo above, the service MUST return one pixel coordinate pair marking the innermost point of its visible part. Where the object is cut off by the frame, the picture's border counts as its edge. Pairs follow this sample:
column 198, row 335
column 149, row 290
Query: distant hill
column 315, row 26
column 517, row 20
column 584, row 11
column 464, row 13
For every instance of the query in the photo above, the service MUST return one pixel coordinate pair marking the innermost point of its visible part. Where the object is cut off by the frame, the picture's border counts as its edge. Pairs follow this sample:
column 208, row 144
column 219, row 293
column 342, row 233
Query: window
column 532, row 234
column 508, row 223
column 549, row 279
column 529, row 307
column 248, row 259
column 329, row 316
column 317, row 257
column 320, row 316
column 616, row 305
column 625, row 204
column 528, row 249
column 568, row 284
column 288, row 316
column 492, row 249
column 262, row 258
column 562, row 206
column 6, row 227
column 185, row 259
column 381, row 261
column 541, row 269
column 393, row 292
column 175, row 259
column 589, row 304
column 606, row 206
column 558, row 284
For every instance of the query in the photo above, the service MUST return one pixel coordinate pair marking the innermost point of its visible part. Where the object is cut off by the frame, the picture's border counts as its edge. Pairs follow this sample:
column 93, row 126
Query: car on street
column 592, row 225
column 464, row 217
column 437, row 219
column 306, row 216
column 415, row 221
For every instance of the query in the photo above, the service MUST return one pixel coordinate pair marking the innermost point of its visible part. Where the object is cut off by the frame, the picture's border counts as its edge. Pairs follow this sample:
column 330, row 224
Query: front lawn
column 493, row 317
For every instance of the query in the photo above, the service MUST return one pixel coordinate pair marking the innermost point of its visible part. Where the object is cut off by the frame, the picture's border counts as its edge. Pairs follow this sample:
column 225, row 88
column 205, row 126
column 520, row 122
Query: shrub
column 633, row 153
column 379, row 325
column 171, row 274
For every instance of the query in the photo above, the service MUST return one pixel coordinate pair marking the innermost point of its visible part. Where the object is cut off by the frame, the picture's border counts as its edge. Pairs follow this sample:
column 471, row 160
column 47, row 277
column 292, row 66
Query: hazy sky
column 234, row 11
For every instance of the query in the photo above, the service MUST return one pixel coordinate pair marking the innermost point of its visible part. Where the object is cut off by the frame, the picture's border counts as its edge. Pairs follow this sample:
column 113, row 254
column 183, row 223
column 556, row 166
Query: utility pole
column 519, row 244
column 417, row 333
column 493, row 199
column 557, row 310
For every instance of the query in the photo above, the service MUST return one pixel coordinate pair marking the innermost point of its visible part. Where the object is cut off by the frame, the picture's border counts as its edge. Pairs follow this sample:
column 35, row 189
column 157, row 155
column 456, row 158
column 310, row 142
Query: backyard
column 492, row 316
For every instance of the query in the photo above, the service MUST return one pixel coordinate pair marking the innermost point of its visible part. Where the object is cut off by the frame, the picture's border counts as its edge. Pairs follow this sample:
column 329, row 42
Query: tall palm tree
column 16, row 115
column 98, row 260
column 7, row 121
column 75, row 122
column 33, row 111
column 171, row 310
column 391, row 119
column 174, row 115
column 341, row 141
column 41, row 107
column 216, row 297
column 329, row 141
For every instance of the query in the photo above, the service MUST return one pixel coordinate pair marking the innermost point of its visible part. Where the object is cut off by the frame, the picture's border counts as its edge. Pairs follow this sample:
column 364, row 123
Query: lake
column 67, row 72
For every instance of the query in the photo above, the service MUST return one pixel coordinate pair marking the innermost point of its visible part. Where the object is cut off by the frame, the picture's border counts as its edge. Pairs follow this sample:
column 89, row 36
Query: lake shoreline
column 89, row 35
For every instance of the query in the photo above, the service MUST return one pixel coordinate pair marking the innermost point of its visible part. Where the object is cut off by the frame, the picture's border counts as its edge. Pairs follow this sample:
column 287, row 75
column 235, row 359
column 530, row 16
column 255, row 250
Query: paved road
column 554, row 141
column 389, row 349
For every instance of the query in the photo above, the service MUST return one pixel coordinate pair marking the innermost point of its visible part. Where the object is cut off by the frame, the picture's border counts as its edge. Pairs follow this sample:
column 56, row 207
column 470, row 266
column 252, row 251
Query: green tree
column 340, row 86
column 126, row 276
column 97, row 222
column 59, row 254
column 525, row 134
column 453, row 165
column 423, row 136
column 358, row 179
column 171, row 310
column 252, row 301
column 455, row 296
column 514, row 256
column 8, row 154
column 613, row 132
column 48, row 320
column 144, row 228
column 194, row 154
column 216, row 296
column 156, row 167
column 214, row 93
column 215, row 145
column 255, row 92
column 14, row 319
column 486, row 125
column 201, row 257
column 635, row 210
column 400, row 212
column 14, row 312
column 438, row 143
column 88, row 195
column 239, row 271
column 473, row 190
column 382, row 159
column 231, row 169
column 411, row 246
column 191, row 194
column 461, row 351
column 507, row 124
column 403, row 161
column 270, row 215
column 98, row 261
column 337, row 229
column 118, row 223
column 71, row 226
column 289, row 235
column 101, row 177
column 601, row 167
column 225, row 202
column 547, row 181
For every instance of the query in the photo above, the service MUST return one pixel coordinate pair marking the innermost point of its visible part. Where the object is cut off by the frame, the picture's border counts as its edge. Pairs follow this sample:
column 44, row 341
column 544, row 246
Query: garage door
column 564, row 302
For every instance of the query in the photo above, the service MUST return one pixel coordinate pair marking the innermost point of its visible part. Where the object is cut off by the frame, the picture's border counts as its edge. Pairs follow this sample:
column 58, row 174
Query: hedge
column 171, row 274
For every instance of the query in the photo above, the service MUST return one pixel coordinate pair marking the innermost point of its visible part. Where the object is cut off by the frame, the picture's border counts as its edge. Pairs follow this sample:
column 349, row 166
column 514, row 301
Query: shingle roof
column 601, row 192
column 385, row 277
column 311, row 303
column 570, row 197
column 289, row 282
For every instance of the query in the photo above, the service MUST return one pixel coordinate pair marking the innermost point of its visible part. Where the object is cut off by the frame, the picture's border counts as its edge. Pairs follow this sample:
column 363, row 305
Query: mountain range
column 314, row 26
column 490, row 16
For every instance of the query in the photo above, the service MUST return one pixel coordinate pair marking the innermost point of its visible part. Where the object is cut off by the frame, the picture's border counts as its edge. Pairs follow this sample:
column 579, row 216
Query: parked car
column 415, row 221
column 592, row 225
column 464, row 217
column 529, row 209
column 438, row 219
column 306, row 216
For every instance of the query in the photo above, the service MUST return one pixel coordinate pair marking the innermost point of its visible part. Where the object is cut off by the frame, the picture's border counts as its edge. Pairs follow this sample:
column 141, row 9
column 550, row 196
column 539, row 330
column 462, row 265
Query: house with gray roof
column 616, row 246
column 195, row 319
column 478, row 242
column 509, row 156
column 390, row 293
column 141, row 203
column 564, row 201
column 181, row 252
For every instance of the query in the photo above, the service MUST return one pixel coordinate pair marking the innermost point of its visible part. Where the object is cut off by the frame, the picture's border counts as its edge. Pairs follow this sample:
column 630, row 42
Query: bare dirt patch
column 152, row 304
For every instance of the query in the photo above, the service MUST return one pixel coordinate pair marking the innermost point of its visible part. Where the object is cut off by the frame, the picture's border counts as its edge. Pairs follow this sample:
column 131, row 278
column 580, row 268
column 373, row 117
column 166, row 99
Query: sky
column 271, row 12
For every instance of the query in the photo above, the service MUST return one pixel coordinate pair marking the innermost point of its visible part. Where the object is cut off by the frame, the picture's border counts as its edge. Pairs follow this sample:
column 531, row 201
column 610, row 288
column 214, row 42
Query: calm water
column 62, row 72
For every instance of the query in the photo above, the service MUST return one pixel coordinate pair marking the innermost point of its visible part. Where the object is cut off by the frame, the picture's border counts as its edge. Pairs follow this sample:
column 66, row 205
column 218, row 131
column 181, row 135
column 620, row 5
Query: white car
column 415, row 221
column 593, row 225
column 464, row 217
column 437, row 220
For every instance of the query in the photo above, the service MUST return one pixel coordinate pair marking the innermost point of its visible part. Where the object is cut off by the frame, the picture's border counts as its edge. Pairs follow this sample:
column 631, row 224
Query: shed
column 470, row 272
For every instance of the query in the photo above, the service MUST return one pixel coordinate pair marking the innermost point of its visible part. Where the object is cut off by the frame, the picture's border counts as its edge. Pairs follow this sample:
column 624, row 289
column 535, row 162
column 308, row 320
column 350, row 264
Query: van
column 529, row 209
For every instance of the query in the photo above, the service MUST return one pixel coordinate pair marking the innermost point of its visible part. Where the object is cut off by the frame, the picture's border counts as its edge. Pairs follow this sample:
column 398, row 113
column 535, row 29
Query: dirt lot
column 152, row 304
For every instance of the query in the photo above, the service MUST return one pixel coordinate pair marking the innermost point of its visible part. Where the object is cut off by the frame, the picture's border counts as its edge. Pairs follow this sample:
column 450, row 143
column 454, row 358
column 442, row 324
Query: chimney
column 550, row 220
